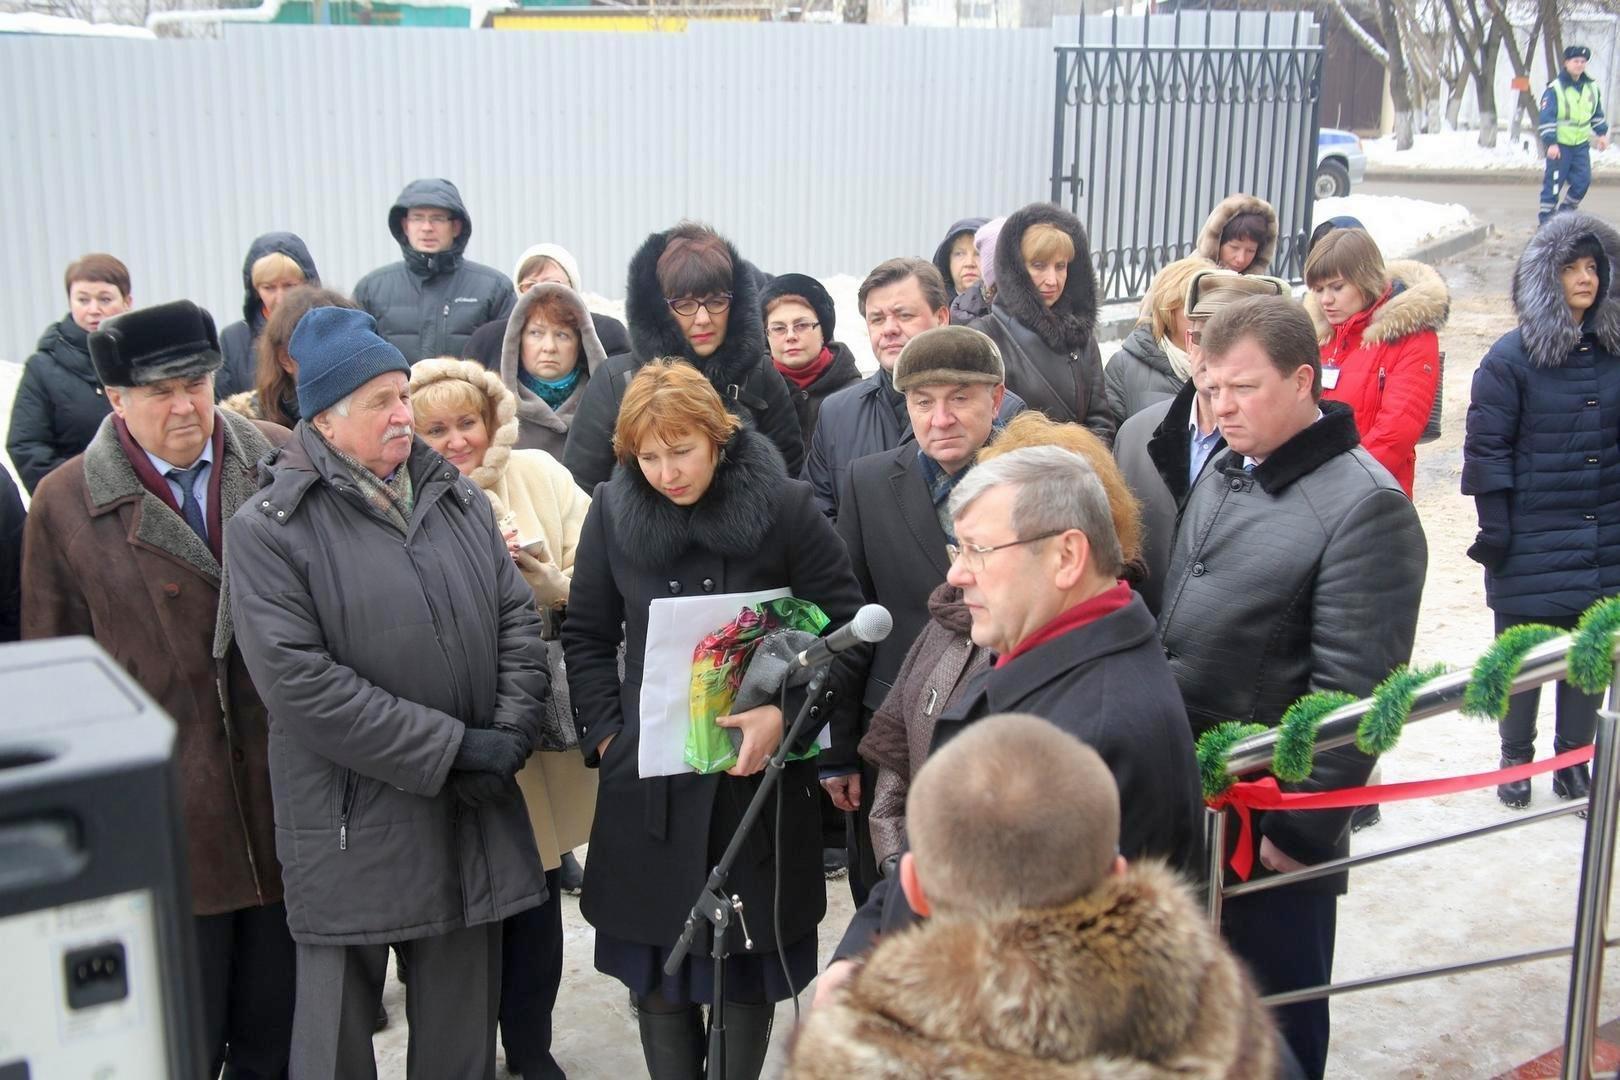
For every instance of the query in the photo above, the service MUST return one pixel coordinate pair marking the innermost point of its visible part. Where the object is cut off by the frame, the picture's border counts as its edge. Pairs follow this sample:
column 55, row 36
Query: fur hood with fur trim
column 543, row 427
column 1068, row 324
column 1209, row 237
column 730, row 520
column 1128, row 981
column 1549, row 333
column 654, row 331
column 502, row 407
column 1418, row 300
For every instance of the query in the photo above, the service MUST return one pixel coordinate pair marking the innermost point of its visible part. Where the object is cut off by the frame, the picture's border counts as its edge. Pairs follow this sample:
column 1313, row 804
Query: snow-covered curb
column 1459, row 151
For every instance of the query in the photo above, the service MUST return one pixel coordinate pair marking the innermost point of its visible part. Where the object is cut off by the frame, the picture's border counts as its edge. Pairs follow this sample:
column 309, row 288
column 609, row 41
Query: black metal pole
column 712, row 906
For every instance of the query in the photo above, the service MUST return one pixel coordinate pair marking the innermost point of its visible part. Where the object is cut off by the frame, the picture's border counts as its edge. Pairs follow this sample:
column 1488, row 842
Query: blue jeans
column 1571, row 173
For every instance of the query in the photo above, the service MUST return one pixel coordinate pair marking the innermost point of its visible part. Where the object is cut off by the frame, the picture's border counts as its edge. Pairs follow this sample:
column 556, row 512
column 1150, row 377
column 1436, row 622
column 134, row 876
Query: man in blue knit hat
column 1571, row 114
column 398, row 650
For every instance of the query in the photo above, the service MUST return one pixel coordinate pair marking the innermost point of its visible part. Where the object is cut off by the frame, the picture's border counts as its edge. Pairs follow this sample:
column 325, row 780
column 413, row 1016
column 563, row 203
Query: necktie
column 190, row 508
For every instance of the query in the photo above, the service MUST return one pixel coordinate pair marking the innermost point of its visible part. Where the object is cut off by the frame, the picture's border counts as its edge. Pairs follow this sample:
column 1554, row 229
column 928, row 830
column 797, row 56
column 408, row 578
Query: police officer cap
column 1577, row 52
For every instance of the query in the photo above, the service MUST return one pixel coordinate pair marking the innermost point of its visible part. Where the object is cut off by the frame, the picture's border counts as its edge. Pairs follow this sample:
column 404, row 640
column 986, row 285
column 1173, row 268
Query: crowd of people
column 390, row 562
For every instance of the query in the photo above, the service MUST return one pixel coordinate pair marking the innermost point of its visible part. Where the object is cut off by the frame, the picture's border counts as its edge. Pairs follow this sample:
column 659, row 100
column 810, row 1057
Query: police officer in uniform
column 1571, row 113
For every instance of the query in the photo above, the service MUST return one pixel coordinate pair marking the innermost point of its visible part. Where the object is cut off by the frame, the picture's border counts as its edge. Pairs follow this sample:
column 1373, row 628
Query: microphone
column 870, row 625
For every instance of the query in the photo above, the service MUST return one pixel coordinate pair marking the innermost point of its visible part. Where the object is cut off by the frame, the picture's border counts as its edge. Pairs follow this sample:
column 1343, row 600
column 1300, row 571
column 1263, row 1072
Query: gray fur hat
column 949, row 354
column 1549, row 333
column 145, row 346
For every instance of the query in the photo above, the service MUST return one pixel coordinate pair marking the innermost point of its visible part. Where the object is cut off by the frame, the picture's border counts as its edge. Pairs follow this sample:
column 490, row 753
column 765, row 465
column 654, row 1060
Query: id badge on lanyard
column 1330, row 376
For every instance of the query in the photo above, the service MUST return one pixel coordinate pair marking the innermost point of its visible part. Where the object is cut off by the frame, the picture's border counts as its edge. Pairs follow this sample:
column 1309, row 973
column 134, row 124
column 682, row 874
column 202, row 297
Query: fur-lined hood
column 654, row 331
column 1068, row 324
column 1129, row 981
column 1418, row 300
column 502, row 407
column 1209, row 237
column 530, row 408
column 1549, row 333
column 730, row 520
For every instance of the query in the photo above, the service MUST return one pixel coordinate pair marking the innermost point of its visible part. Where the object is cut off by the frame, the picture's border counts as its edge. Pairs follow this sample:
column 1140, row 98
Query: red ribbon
column 1265, row 794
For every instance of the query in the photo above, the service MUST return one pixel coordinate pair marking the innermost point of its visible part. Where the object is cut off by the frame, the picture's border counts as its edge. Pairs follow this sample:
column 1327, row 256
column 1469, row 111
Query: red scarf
column 159, row 486
column 803, row 377
column 1087, row 611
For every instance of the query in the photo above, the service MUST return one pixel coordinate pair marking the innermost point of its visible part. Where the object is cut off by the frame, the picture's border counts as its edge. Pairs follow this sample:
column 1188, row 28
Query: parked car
column 1339, row 163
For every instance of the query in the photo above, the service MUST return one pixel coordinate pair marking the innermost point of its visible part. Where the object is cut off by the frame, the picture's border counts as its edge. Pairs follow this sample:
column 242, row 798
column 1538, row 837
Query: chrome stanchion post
column 1215, row 853
column 1592, row 904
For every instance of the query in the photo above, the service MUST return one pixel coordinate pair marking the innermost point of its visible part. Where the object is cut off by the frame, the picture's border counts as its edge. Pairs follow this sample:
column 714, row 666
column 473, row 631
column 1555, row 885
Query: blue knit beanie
column 337, row 351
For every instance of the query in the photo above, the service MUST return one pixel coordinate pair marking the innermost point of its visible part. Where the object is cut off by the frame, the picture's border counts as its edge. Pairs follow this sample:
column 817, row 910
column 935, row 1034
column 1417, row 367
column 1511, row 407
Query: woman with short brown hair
column 700, row 504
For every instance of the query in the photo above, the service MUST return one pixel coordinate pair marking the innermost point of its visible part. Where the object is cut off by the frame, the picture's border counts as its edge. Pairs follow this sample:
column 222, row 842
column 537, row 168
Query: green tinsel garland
column 1590, row 669
column 1296, row 735
column 1591, row 654
column 1214, row 746
column 1492, row 677
column 1380, row 729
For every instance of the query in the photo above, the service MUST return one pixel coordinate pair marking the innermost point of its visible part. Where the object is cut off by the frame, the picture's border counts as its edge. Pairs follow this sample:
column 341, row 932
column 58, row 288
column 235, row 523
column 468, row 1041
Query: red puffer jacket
column 1388, row 358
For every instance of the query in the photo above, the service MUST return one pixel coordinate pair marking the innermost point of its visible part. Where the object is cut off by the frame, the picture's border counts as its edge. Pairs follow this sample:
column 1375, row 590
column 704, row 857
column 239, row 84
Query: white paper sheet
column 675, row 626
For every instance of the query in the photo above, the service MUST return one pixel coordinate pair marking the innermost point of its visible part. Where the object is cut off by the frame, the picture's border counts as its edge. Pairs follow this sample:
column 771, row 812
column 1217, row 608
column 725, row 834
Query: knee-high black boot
column 748, row 1036
column 672, row 1041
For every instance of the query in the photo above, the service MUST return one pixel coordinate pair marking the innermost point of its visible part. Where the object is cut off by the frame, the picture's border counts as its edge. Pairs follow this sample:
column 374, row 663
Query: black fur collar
column 730, row 520
column 1068, row 324
column 1170, row 446
column 654, row 331
column 1306, row 452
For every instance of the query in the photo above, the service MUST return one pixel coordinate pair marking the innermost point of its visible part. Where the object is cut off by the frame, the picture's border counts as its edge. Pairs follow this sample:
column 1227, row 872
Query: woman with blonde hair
column 1152, row 364
column 1044, row 316
column 699, row 504
column 944, row 659
column 465, row 413
column 276, row 263
column 1379, row 329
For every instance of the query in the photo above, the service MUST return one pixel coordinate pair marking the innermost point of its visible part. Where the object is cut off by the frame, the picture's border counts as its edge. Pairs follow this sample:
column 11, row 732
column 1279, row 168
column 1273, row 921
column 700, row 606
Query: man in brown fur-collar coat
column 124, row 544
column 1034, row 965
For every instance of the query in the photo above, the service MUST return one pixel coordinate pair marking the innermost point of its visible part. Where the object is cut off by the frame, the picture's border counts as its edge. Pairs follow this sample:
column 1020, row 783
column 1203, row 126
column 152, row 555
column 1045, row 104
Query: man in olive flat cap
column 124, row 544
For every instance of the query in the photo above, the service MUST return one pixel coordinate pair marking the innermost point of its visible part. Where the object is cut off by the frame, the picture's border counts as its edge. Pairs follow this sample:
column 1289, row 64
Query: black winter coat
column 12, row 519
column 860, row 420
column 740, row 368
column 236, row 341
column 1541, row 437
column 429, row 304
column 374, row 653
column 887, row 522
column 1107, row 684
column 969, row 305
column 1153, row 450
column 1051, row 353
column 1139, row 375
column 1303, row 575
column 59, row 405
column 650, row 843
column 807, row 403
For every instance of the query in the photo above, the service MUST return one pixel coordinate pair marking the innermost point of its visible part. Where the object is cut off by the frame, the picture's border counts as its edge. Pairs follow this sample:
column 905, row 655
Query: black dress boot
column 1515, row 793
column 1574, row 782
column 748, row 1036
column 672, row 1042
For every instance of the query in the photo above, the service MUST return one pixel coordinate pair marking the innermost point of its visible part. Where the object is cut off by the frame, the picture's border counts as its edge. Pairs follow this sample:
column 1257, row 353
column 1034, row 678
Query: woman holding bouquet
column 698, row 505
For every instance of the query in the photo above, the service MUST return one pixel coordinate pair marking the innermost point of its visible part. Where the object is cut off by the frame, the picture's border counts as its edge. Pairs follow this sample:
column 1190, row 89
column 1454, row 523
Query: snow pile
column 1461, row 150
column 29, row 22
column 1399, row 225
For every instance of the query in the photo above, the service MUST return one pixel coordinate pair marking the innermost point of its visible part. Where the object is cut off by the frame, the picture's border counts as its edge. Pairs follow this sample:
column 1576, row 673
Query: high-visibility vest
column 1576, row 107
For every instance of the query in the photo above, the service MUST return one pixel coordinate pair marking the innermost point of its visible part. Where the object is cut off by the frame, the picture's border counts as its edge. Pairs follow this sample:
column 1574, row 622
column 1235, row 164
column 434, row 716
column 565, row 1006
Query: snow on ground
column 1398, row 224
column 1461, row 150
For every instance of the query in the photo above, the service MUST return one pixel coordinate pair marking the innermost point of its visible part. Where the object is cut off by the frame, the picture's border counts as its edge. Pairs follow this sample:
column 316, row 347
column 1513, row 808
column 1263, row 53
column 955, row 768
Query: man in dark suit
column 894, row 520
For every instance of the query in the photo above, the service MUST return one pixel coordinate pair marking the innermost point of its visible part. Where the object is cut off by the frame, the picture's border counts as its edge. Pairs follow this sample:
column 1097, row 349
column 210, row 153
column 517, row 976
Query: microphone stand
column 714, row 907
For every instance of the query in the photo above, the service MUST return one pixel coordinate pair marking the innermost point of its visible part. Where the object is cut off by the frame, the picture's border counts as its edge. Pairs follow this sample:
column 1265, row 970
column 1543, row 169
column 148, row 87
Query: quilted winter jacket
column 1303, row 575
column 1542, row 426
column 1139, row 375
column 1388, row 358
column 59, row 404
column 429, row 304
column 374, row 653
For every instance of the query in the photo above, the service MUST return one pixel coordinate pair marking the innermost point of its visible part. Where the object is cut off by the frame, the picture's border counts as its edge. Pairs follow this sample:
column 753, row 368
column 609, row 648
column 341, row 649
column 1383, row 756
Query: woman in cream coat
column 465, row 413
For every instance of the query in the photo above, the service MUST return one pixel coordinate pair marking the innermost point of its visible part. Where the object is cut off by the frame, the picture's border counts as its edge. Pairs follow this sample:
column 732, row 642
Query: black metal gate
column 1158, row 118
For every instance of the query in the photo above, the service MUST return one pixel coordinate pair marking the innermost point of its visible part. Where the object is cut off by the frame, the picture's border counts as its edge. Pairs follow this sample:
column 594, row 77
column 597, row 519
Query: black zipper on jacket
column 350, row 784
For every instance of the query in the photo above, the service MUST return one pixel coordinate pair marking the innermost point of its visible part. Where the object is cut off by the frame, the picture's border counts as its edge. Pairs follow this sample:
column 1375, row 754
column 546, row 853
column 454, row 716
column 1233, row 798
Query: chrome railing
column 1545, row 663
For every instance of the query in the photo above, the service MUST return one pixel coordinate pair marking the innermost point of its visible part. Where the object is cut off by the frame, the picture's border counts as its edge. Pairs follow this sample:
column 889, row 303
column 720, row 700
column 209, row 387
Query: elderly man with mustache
column 398, row 650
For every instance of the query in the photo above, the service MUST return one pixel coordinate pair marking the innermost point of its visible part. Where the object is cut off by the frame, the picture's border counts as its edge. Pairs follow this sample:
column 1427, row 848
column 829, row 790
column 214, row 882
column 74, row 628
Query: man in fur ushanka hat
column 124, row 544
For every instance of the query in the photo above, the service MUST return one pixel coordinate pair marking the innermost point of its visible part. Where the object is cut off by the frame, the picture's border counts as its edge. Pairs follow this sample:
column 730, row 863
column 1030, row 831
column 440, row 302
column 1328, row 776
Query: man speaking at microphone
column 1038, row 562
